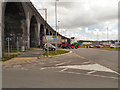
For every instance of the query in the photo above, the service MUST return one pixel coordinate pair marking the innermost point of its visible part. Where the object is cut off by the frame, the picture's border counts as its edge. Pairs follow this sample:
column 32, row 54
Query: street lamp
column 107, row 35
column 58, row 26
column 56, row 15
column 56, row 21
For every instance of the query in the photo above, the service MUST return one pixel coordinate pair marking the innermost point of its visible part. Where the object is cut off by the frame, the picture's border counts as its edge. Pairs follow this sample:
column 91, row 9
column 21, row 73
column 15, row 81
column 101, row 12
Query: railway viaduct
column 23, row 24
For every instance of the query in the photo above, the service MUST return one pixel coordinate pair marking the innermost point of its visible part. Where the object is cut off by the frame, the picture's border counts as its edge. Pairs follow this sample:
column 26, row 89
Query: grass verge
column 112, row 48
column 8, row 57
column 53, row 52
column 12, row 54
column 83, row 46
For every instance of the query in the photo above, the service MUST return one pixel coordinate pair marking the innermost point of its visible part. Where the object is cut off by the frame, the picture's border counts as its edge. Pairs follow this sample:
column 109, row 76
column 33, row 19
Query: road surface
column 108, row 58
column 84, row 68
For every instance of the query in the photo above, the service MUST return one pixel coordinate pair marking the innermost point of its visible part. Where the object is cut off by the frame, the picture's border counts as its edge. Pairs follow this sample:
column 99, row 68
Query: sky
column 83, row 19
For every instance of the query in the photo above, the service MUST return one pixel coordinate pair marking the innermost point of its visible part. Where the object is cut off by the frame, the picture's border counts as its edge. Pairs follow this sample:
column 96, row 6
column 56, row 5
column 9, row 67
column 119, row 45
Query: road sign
column 50, row 39
column 55, row 39
column 8, row 39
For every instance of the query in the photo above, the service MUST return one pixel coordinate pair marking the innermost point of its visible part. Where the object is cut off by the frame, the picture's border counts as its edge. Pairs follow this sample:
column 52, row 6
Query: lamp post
column 107, row 36
column 58, row 26
column 97, row 34
column 56, row 22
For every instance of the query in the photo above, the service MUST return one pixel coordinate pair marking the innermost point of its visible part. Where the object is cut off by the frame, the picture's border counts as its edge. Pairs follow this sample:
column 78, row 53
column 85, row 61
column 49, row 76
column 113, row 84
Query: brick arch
column 33, row 31
column 14, row 23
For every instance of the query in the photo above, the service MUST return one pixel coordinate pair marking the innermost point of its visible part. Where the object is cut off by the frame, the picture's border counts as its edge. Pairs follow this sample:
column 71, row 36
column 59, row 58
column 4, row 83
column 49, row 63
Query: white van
column 49, row 47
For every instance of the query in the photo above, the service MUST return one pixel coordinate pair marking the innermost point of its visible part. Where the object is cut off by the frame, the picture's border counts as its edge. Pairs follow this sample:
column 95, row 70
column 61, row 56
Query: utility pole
column 56, row 22
column 97, row 36
column 58, row 26
column 107, row 35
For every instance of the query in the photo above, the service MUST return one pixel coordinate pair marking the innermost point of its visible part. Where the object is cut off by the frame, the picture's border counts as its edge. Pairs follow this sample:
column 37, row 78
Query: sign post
column 55, row 39
column 47, row 49
column 8, row 39
column 51, row 39
column 17, row 45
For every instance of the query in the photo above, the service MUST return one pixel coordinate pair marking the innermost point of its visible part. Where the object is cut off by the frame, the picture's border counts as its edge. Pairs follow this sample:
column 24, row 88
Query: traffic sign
column 8, row 39
column 55, row 39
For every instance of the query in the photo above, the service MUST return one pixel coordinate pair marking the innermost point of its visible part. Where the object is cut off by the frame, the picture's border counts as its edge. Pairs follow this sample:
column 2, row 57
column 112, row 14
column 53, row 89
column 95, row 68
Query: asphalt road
column 108, row 58
column 80, row 69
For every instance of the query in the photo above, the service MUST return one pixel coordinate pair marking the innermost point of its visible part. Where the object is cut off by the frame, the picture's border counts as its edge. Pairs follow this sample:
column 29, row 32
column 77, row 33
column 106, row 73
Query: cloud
column 78, row 16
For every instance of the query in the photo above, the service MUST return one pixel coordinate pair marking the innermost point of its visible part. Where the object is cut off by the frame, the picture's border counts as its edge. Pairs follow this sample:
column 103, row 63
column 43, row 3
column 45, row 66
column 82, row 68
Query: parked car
column 69, row 46
column 38, row 46
column 74, row 46
column 112, row 46
column 99, row 46
column 49, row 47
column 65, row 46
column 90, row 46
column 115, row 46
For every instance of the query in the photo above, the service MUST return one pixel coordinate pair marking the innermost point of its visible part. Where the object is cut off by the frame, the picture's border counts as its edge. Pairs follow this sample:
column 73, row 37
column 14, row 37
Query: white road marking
column 92, row 75
column 60, row 64
column 88, row 62
column 24, row 69
column 93, row 67
column 91, row 72
column 63, row 69
column 80, row 56
column 43, row 68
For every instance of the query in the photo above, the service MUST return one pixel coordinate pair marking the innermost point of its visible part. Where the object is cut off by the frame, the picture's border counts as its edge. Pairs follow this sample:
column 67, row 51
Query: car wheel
column 76, row 47
column 53, row 49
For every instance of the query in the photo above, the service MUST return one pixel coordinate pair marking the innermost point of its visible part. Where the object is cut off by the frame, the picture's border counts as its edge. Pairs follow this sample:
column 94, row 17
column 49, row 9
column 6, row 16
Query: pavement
column 84, row 68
